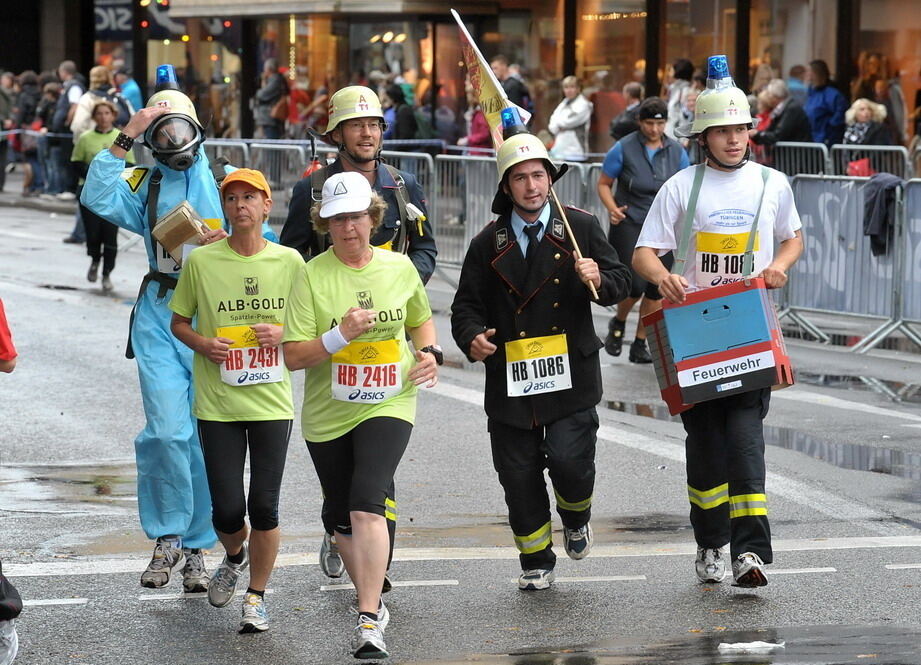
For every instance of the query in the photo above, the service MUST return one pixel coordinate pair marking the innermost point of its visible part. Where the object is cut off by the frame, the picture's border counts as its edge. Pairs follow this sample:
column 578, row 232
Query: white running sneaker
column 167, row 558
column 536, row 579
column 255, row 618
column 578, row 542
column 194, row 575
column 330, row 559
column 223, row 585
column 748, row 571
column 710, row 564
column 368, row 638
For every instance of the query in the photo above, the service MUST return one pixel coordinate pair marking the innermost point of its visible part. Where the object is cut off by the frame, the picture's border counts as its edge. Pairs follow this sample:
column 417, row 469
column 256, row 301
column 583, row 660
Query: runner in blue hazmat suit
column 173, row 498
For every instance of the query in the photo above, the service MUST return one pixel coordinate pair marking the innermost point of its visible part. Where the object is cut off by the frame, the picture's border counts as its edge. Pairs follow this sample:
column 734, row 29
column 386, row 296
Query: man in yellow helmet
column 523, row 308
column 728, row 199
column 356, row 127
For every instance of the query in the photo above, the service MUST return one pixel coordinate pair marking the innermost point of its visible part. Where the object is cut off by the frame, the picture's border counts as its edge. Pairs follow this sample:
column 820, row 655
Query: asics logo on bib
column 365, row 396
column 539, row 385
column 246, row 377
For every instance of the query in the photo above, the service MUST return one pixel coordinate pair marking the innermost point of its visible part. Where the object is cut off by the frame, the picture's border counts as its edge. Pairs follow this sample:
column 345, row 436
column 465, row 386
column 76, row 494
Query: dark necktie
column 532, row 230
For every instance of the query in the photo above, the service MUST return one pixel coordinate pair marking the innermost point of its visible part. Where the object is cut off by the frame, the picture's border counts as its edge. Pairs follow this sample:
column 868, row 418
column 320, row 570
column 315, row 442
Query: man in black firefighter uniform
column 523, row 307
column 356, row 126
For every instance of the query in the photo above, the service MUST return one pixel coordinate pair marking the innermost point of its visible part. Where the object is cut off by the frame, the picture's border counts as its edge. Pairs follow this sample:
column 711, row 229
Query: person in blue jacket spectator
column 173, row 498
column 825, row 105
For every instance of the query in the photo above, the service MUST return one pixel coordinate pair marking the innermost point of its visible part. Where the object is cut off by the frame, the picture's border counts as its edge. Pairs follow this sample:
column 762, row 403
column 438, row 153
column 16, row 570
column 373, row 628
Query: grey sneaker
column 106, row 283
column 255, row 618
column 578, row 542
column 368, row 638
column 9, row 642
column 748, row 571
column 330, row 560
column 167, row 558
column 536, row 579
column 93, row 273
column 710, row 564
column 224, row 582
column 194, row 575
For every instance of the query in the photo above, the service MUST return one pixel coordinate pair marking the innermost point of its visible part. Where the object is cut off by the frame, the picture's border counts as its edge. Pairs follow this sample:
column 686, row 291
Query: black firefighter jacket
column 496, row 290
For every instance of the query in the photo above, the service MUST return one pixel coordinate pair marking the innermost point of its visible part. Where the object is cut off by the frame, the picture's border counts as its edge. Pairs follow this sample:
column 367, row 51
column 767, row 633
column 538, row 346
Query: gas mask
column 174, row 139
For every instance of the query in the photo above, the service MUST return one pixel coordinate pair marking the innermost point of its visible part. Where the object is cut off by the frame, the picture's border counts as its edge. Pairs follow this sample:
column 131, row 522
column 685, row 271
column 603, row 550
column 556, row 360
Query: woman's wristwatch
column 436, row 351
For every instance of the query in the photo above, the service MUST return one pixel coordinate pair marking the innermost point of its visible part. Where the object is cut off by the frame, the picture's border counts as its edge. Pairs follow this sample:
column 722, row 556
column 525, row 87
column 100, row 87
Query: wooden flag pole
column 575, row 245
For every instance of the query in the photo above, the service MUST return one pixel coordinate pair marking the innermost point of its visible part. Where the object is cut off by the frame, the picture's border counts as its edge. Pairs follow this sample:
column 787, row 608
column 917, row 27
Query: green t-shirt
column 389, row 285
column 93, row 142
column 225, row 290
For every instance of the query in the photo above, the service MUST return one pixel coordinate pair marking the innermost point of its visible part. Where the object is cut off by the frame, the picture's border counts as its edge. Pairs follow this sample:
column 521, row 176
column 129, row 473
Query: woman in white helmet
column 727, row 196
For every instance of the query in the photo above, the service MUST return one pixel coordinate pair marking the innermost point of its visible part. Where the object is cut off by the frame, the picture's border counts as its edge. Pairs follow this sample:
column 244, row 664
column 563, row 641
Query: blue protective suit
column 173, row 496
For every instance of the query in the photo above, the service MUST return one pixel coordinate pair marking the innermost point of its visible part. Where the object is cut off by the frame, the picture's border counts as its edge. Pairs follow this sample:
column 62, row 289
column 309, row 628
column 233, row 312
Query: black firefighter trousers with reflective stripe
column 725, row 468
column 566, row 448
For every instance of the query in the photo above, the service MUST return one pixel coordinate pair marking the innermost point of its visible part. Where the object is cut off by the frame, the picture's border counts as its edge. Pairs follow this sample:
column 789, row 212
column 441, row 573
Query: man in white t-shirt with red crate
column 738, row 210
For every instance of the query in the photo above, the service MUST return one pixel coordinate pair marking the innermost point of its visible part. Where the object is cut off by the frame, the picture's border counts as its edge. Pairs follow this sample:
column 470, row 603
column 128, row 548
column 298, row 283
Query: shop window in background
column 532, row 42
column 783, row 44
column 889, row 64
column 610, row 46
column 697, row 29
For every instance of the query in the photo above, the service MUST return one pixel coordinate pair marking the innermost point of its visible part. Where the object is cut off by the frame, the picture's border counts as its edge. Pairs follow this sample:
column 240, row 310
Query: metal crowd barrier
column 235, row 152
column 837, row 273
column 282, row 165
column 800, row 158
column 882, row 158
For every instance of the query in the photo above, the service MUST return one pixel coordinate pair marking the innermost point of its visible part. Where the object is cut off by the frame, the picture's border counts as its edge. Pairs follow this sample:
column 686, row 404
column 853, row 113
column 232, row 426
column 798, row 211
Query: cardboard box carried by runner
column 718, row 342
column 180, row 226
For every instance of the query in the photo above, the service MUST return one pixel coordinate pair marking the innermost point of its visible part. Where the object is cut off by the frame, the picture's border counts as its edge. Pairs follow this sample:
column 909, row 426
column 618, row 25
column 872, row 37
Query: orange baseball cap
column 250, row 177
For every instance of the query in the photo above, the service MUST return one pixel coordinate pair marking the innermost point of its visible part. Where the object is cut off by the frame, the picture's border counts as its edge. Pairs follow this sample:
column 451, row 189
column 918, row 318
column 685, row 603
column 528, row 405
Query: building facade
column 322, row 45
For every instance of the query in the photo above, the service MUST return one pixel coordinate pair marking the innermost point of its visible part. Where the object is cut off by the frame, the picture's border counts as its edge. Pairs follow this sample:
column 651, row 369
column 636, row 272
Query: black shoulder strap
column 401, row 243
column 153, row 197
column 217, row 169
column 320, row 241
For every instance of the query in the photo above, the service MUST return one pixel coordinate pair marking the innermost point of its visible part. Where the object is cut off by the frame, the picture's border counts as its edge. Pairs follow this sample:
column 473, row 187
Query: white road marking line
column 23, row 236
column 802, row 395
column 603, row 578
column 800, row 571
column 831, row 505
column 902, row 566
column 407, row 583
column 599, row 551
column 54, row 601
column 188, row 596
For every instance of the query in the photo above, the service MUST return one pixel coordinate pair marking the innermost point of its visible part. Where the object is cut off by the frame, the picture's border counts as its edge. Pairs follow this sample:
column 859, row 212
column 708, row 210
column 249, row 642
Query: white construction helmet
column 515, row 150
column 354, row 101
column 721, row 103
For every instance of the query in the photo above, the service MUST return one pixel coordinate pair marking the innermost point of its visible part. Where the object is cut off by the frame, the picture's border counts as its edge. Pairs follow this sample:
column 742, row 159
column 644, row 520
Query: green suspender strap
column 682, row 258
column 748, row 260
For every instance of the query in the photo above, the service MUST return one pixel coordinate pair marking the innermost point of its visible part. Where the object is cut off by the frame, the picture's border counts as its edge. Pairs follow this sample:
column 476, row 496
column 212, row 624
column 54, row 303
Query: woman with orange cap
column 236, row 289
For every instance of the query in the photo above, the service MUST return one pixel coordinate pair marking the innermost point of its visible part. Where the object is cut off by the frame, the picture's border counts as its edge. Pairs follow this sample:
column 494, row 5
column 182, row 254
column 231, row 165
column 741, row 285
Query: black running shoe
column 614, row 340
column 639, row 353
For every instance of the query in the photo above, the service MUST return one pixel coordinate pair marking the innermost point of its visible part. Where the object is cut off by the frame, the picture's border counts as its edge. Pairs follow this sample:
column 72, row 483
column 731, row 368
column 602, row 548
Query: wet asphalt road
column 844, row 484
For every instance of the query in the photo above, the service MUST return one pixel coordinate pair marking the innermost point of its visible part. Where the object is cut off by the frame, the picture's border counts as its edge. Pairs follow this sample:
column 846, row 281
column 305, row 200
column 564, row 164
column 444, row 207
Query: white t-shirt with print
column 725, row 212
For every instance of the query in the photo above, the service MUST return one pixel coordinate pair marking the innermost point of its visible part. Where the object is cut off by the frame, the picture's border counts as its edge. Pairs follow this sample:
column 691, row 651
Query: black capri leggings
column 356, row 469
column 224, row 446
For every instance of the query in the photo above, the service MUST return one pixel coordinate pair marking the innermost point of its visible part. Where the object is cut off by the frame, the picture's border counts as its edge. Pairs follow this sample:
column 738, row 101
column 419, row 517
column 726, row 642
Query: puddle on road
column 103, row 489
column 909, row 393
column 899, row 463
column 816, row 645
